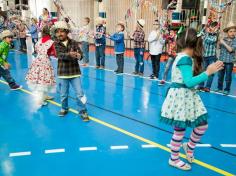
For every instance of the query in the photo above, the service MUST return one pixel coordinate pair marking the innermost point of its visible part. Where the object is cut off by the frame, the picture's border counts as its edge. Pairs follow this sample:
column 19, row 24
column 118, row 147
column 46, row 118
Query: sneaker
column 140, row 74
column 219, row 91
column 201, row 89
column 162, row 82
column 84, row 65
column 153, row 76
column 135, row 73
column 115, row 71
column 119, row 73
column 49, row 98
column 84, row 116
column 102, row 67
column 97, row 67
column 226, row 92
column 206, row 89
column 62, row 113
column 15, row 87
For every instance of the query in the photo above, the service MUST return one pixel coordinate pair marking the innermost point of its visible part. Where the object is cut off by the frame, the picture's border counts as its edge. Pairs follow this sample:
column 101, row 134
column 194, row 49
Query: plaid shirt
column 139, row 37
column 210, row 43
column 67, row 66
column 99, row 36
column 4, row 50
column 225, row 55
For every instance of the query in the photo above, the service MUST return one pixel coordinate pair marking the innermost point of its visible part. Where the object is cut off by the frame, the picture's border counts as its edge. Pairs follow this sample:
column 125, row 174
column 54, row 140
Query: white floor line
column 121, row 147
column 228, row 145
column 148, row 146
column 54, row 151
column 88, row 148
column 19, row 154
column 157, row 80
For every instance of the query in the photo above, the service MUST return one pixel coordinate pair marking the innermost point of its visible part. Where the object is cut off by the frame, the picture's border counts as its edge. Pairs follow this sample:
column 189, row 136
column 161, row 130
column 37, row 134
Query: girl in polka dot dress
column 183, row 107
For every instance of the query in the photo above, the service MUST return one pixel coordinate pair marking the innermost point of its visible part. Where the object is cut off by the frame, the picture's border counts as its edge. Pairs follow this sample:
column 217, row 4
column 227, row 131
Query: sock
column 196, row 135
column 175, row 143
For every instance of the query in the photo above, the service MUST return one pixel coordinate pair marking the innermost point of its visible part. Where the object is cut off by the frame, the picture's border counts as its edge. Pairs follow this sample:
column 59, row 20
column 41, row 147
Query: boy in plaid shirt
column 227, row 55
column 139, row 47
column 210, row 44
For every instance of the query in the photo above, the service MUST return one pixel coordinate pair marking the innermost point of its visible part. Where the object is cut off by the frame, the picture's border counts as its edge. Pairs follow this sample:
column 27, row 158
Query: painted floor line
column 148, row 146
column 162, row 147
column 49, row 151
column 228, row 145
column 198, row 145
column 19, row 154
column 88, row 148
column 121, row 147
column 157, row 80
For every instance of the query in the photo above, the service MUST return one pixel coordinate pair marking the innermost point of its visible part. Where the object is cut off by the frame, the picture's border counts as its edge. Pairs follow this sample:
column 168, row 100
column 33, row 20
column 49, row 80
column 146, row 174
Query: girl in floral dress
column 40, row 77
column 183, row 107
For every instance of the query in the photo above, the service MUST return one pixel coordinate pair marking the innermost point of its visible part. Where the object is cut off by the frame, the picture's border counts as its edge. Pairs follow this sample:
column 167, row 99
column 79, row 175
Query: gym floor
column 124, row 136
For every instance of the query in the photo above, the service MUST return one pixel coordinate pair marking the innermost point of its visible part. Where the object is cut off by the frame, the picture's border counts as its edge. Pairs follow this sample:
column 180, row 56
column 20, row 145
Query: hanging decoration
column 135, row 5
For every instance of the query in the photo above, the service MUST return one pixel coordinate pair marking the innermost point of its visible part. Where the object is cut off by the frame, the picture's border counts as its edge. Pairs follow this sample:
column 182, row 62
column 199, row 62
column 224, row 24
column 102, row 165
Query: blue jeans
column 85, row 50
column 76, row 85
column 169, row 63
column 206, row 62
column 227, row 73
column 138, row 54
column 7, row 76
column 100, row 55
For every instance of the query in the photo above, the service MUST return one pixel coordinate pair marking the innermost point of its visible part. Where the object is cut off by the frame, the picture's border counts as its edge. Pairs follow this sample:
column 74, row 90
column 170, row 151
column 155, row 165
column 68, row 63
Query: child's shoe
column 62, row 113
column 180, row 164
column 15, row 87
column 84, row 115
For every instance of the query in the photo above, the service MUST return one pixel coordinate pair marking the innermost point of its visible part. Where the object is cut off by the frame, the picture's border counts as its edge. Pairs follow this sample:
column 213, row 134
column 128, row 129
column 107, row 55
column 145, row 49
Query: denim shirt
column 33, row 31
column 225, row 55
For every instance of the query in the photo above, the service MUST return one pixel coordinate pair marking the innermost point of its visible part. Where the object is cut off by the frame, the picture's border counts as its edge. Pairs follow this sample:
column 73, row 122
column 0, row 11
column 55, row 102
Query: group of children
column 182, row 107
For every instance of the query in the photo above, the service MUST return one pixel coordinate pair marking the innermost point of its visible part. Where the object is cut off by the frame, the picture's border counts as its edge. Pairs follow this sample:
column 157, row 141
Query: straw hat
column 141, row 22
column 229, row 26
column 61, row 25
column 121, row 23
column 6, row 33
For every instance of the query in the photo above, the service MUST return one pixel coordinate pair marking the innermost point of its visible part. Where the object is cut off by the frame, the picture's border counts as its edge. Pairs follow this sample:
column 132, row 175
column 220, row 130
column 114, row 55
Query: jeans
column 7, row 76
column 80, row 97
column 85, row 50
column 100, row 55
column 227, row 73
column 156, row 64
column 34, row 41
column 206, row 62
column 120, row 62
column 138, row 54
column 23, row 44
column 169, row 63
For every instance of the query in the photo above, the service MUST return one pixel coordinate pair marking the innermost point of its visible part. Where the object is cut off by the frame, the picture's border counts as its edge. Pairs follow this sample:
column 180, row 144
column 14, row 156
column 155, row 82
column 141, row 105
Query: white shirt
column 156, row 44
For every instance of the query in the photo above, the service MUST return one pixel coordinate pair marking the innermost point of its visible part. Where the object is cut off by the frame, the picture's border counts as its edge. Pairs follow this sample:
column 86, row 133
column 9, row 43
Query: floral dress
column 183, row 106
column 40, row 76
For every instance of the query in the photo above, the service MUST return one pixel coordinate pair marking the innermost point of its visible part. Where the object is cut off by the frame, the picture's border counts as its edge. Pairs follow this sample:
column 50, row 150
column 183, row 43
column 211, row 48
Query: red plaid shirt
column 139, row 37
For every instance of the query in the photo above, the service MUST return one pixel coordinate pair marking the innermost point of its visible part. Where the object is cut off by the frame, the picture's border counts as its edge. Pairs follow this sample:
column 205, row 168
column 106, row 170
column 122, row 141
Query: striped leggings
column 178, row 136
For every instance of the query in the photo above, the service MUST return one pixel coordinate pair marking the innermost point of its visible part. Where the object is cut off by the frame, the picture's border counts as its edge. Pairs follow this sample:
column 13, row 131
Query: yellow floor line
column 200, row 163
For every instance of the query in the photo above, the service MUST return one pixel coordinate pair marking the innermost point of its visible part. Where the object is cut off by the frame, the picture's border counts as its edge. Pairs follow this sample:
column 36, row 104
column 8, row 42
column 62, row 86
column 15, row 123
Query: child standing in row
column 100, row 43
column 171, row 51
column 84, row 38
column 183, row 107
column 210, row 44
column 139, row 47
column 227, row 55
column 118, row 38
column 156, row 45
column 40, row 77
column 6, row 37
column 34, row 32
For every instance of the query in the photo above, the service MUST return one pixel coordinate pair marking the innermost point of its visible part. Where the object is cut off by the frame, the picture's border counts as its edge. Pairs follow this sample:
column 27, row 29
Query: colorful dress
column 41, row 74
column 183, row 106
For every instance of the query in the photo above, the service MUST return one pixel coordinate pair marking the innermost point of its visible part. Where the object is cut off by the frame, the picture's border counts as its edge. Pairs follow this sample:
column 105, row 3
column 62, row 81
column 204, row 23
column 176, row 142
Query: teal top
column 185, row 65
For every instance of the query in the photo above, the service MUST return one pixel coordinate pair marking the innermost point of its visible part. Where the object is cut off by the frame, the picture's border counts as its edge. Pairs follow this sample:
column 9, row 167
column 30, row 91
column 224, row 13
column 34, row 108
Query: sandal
column 180, row 165
column 189, row 158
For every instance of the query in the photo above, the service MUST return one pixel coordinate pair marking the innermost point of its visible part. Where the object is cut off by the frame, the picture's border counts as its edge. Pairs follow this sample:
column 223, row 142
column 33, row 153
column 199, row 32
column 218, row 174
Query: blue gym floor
column 124, row 137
